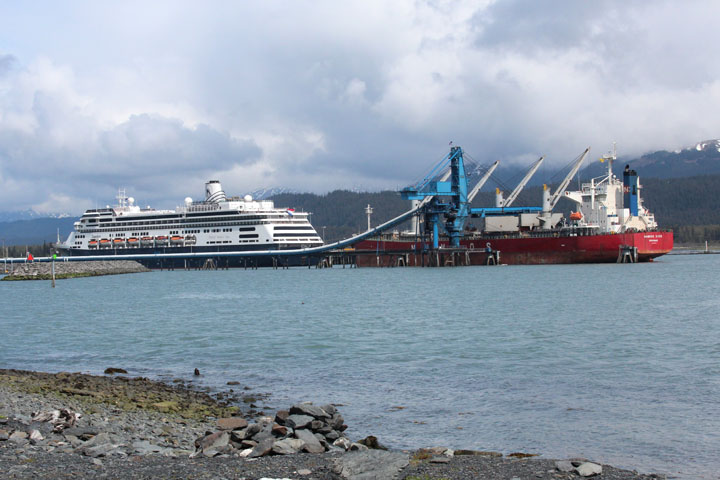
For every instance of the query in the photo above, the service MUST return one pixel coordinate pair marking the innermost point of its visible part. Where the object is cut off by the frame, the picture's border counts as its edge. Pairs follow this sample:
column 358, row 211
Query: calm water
column 618, row 363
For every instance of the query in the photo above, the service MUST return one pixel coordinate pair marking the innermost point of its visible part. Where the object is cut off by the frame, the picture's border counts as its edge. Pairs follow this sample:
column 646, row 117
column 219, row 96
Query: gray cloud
column 323, row 95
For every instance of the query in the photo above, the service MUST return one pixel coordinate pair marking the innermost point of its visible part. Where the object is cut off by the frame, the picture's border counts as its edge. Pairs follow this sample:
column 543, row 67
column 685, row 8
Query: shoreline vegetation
column 63, row 425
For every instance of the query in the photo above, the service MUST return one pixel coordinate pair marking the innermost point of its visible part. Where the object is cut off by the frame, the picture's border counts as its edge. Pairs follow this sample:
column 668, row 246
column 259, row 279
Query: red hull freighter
column 518, row 250
column 610, row 224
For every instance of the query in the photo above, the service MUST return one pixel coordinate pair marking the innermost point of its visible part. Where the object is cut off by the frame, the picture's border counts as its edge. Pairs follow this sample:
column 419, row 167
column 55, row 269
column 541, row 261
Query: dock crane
column 446, row 201
column 506, row 202
column 455, row 210
column 550, row 200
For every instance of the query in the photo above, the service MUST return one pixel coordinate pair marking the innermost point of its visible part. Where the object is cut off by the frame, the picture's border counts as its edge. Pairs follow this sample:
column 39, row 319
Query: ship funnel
column 214, row 192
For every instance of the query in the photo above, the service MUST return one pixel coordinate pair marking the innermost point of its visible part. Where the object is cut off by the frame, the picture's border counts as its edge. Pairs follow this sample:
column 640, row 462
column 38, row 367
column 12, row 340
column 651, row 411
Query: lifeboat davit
column 576, row 216
column 190, row 240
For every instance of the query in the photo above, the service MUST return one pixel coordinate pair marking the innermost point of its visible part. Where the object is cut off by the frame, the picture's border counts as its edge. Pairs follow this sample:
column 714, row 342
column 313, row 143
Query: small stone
column 246, row 452
column 233, row 382
column 279, row 430
column 304, row 471
column 478, row 453
column 564, row 466
column 82, row 433
column 113, row 371
column 343, row 443
column 371, row 442
column 232, row 423
column 357, row 446
column 196, row 372
column 329, row 409
column 440, row 460
column 588, row 469
column 281, row 417
column 97, row 462
column 18, row 435
column 36, row 435
column 4, row 435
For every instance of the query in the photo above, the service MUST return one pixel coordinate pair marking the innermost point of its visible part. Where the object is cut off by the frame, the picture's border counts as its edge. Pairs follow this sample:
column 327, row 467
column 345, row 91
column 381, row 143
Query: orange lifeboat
column 576, row 216
column 177, row 239
column 118, row 242
column 133, row 242
column 93, row 243
column 105, row 243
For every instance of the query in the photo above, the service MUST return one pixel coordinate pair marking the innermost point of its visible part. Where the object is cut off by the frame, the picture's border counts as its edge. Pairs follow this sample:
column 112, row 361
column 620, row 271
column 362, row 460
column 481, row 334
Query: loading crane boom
column 550, row 200
column 500, row 202
column 482, row 181
column 563, row 185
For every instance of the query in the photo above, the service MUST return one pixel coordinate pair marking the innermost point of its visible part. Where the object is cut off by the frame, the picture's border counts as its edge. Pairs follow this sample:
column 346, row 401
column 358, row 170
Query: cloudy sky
column 158, row 97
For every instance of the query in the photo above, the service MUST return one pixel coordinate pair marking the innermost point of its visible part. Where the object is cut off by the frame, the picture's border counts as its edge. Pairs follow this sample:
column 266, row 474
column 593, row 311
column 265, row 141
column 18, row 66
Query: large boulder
column 299, row 421
column 288, row 446
column 589, row 469
column 370, row 465
column 213, row 444
column 262, row 448
column 232, row 423
column 309, row 409
column 312, row 445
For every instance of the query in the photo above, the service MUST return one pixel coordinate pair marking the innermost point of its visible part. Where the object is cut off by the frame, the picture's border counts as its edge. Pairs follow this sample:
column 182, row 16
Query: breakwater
column 43, row 271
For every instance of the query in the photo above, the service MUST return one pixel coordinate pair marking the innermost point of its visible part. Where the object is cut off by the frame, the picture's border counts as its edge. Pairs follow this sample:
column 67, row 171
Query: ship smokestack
column 214, row 192
column 630, row 190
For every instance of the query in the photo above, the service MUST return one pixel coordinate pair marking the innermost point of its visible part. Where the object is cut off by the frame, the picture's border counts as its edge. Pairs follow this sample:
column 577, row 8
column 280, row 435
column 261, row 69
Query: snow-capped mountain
column 29, row 215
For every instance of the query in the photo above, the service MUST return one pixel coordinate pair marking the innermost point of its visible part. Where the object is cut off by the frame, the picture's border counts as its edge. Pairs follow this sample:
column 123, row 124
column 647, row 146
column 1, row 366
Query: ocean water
column 617, row 363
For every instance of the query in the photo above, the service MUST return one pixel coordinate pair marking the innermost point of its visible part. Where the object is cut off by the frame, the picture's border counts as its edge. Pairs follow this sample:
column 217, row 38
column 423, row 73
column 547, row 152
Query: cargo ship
column 609, row 223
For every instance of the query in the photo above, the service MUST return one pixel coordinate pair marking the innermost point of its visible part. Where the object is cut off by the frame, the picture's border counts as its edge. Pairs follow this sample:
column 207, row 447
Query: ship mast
column 610, row 158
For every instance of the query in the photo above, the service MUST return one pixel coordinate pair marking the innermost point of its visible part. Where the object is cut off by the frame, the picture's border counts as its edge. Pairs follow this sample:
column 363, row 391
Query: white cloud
column 322, row 95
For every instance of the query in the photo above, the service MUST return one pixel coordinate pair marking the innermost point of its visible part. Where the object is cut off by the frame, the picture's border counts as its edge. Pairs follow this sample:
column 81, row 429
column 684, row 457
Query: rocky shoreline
column 75, row 425
column 43, row 270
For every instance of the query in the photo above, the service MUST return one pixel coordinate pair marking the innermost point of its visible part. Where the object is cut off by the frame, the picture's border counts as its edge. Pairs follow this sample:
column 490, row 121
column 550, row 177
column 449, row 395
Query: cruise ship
column 216, row 224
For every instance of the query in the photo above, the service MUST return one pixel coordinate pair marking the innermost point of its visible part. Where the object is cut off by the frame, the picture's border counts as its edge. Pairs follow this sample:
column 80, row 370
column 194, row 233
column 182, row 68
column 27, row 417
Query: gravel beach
column 71, row 425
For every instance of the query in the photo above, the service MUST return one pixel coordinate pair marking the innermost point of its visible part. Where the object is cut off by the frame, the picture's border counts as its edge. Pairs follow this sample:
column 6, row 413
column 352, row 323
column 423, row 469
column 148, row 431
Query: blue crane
column 446, row 201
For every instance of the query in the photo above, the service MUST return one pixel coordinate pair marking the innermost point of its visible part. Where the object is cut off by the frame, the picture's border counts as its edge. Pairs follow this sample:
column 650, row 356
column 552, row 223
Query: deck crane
column 481, row 182
column 501, row 202
column 550, row 200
